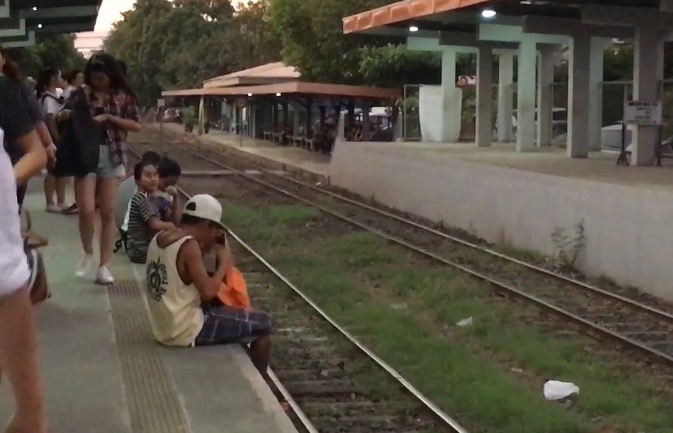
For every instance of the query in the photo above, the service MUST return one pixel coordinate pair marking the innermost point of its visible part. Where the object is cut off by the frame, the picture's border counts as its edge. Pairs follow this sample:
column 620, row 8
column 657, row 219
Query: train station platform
column 103, row 371
column 542, row 201
column 615, row 218
column 300, row 159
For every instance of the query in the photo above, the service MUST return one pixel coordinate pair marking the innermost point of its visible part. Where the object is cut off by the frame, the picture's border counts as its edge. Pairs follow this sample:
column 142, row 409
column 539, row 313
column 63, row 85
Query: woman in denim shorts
column 101, row 112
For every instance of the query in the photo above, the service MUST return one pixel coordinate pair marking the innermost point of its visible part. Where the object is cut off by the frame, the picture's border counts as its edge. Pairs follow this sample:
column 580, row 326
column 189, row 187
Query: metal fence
column 615, row 93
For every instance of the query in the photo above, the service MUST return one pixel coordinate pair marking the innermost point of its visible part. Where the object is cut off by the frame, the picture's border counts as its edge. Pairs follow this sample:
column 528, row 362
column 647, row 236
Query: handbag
column 38, row 284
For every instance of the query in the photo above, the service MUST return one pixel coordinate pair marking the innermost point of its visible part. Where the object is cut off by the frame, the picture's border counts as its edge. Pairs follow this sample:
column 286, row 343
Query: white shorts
column 14, row 272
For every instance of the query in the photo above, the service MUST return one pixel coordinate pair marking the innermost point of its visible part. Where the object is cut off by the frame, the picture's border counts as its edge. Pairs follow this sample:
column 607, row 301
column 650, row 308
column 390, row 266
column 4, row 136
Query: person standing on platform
column 9, row 71
column 100, row 113
column 47, row 84
column 18, row 339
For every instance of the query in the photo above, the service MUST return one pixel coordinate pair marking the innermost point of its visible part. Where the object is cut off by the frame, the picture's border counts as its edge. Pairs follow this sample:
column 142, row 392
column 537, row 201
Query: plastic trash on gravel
column 557, row 390
column 465, row 322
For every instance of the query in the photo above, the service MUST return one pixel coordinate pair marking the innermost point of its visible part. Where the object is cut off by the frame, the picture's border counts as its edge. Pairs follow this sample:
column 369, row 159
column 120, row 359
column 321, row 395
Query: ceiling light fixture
column 413, row 29
column 277, row 94
column 39, row 26
column 488, row 13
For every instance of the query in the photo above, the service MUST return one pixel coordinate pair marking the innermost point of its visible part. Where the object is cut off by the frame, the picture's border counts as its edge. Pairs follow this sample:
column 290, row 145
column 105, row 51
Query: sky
column 110, row 12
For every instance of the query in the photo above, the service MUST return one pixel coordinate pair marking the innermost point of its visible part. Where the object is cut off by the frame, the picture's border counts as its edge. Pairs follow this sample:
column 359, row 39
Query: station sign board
column 643, row 113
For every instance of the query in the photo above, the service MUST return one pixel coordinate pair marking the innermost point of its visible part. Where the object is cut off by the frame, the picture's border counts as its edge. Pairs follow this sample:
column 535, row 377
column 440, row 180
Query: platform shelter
column 532, row 32
column 266, row 101
column 21, row 20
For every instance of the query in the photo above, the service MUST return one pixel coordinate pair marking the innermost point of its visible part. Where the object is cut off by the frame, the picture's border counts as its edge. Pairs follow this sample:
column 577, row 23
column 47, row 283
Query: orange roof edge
column 402, row 11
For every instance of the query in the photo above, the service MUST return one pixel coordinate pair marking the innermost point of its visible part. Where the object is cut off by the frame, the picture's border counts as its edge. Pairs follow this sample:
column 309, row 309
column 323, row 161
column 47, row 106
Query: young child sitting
column 167, row 196
column 144, row 216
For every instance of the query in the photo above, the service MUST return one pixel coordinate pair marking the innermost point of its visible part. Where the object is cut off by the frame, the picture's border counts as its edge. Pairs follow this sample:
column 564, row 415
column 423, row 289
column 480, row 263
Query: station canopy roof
column 430, row 16
column 298, row 88
column 21, row 20
column 275, row 79
column 264, row 74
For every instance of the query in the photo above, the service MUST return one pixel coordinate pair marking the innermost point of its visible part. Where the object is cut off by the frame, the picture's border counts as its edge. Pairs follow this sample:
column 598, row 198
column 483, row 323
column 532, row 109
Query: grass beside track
column 488, row 375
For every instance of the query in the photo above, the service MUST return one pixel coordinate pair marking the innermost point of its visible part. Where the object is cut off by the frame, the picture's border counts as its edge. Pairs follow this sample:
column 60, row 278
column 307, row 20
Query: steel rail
column 453, row 424
column 498, row 285
column 429, row 404
column 301, row 415
column 633, row 303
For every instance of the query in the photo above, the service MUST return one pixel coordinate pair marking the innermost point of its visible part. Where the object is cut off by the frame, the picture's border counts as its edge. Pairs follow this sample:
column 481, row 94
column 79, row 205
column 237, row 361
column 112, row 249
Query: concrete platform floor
column 300, row 158
column 104, row 374
column 600, row 166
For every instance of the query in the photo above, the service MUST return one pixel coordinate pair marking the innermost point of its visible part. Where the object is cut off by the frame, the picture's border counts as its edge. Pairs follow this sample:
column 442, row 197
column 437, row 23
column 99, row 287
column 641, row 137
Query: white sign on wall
column 642, row 113
column 161, row 103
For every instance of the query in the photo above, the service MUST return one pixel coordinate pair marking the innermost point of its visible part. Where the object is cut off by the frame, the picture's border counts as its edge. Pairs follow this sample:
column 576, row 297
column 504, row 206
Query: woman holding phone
column 101, row 114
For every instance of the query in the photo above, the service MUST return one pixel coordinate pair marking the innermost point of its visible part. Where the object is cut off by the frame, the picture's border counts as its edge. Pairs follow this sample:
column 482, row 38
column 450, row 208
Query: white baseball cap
column 206, row 207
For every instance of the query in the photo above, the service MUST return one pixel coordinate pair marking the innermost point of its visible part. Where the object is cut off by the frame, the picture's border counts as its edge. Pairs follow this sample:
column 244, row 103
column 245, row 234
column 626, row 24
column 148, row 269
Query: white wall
column 629, row 231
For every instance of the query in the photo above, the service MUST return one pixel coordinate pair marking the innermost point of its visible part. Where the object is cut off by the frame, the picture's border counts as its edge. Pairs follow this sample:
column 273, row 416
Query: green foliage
column 56, row 51
column 312, row 36
column 180, row 44
column 395, row 66
column 190, row 116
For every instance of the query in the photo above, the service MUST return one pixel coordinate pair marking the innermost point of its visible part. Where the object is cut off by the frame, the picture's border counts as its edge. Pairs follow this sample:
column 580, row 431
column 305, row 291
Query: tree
column 57, row 51
column 181, row 43
column 396, row 65
column 313, row 40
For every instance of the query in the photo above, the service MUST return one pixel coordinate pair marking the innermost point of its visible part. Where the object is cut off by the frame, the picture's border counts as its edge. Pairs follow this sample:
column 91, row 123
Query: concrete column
column 234, row 118
column 365, row 121
column 648, row 74
column 449, row 66
column 578, row 96
column 451, row 106
column 545, row 98
column 525, row 110
column 484, row 130
column 296, row 109
column 505, row 97
column 598, row 46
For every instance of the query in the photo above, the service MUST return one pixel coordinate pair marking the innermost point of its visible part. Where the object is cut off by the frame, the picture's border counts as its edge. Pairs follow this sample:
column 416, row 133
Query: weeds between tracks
column 490, row 373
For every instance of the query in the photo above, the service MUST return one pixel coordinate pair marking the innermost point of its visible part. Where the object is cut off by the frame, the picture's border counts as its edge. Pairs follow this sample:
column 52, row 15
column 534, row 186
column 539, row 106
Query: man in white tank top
column 182, row 297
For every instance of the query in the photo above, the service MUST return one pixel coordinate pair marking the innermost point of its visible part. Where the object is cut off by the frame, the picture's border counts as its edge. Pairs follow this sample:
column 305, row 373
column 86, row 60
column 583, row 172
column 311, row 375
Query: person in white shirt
column 74, row 80
column 47, row 93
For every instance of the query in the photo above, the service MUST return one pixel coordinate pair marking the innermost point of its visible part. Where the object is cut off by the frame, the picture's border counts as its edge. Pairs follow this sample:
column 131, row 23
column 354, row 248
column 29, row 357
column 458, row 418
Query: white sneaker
column 52, row 208
column 104, row 277
column 84, row 267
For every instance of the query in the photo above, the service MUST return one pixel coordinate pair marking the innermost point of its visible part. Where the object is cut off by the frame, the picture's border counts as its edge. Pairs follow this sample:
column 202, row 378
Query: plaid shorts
column 224, row 325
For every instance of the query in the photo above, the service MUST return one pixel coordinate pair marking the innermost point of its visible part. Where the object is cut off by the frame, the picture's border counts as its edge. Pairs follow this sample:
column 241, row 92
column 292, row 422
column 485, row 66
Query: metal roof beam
column 19, row 42
column 60, row 12
column 570, row 27
column 462, row 39
column 5, row 11
column 626, row 16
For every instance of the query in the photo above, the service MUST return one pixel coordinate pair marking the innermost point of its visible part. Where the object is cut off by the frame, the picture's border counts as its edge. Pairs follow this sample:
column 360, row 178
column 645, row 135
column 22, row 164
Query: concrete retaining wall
column 629, row 231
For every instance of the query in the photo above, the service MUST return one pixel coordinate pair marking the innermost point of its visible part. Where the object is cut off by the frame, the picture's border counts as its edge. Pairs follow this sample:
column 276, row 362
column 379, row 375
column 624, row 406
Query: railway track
column 330, row 380
column 603, row 313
